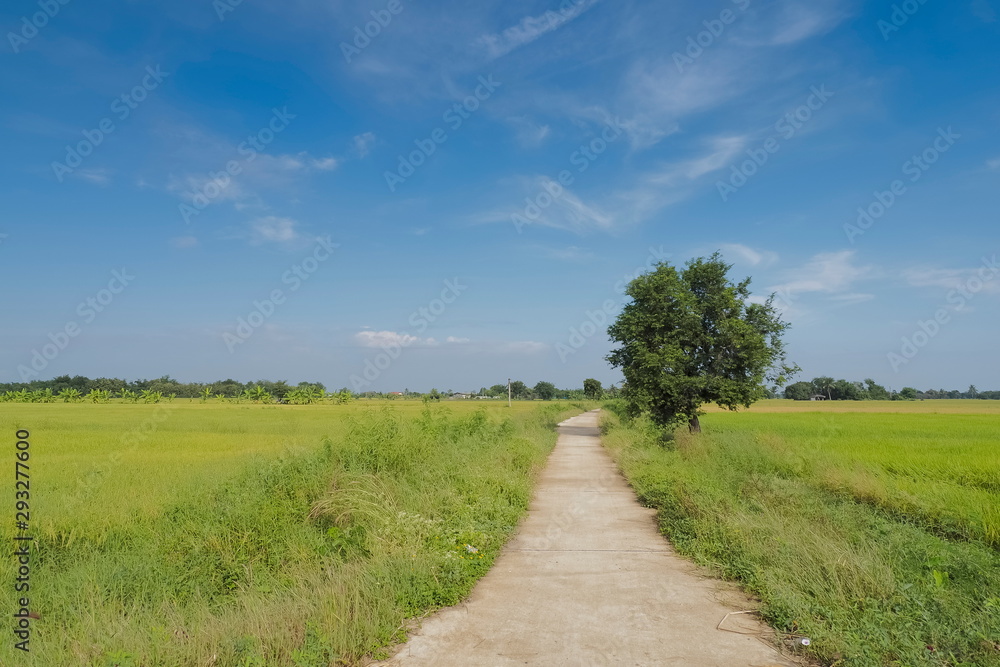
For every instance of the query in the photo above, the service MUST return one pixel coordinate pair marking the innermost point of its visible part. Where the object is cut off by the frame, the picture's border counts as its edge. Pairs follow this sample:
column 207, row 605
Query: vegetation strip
column 315, row 559
column 839, row 539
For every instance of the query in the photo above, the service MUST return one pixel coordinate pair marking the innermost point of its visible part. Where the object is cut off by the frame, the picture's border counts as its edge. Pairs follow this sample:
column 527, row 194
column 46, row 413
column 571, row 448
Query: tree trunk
column 694, row 426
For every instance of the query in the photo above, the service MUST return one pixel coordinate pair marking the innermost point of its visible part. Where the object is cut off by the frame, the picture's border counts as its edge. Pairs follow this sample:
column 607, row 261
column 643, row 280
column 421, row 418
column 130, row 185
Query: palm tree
column 824, row 384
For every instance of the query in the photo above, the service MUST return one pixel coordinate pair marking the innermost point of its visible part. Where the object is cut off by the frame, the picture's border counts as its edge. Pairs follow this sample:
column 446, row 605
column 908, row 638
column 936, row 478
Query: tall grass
column 318, row 557
column 835, row 528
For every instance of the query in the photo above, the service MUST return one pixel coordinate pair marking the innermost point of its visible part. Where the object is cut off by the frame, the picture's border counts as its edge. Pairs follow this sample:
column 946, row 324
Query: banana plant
column 70, row 395
column 259, row 395
column 206, row 394
column 99, row 396
column 42, row 396
column 150, row 396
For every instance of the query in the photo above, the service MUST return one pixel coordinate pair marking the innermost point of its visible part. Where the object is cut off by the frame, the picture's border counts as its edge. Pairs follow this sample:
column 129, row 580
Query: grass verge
column 314, row 559
column 870, row 585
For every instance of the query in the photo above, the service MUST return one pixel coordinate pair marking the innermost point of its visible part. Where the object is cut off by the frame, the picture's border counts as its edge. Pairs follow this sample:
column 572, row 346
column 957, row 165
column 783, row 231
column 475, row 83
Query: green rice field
column 252, row 535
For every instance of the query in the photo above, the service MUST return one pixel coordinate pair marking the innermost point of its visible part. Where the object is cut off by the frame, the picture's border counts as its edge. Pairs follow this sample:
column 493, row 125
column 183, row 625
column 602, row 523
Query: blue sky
column 457, row 196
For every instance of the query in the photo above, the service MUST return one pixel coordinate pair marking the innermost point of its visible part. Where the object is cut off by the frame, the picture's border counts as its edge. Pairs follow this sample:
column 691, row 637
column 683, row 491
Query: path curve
column 588, row 580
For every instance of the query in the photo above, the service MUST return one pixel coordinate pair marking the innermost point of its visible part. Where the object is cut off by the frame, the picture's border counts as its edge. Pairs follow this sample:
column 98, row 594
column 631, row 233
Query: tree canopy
column 545, row 391
column 592, row 389
column 691, row 337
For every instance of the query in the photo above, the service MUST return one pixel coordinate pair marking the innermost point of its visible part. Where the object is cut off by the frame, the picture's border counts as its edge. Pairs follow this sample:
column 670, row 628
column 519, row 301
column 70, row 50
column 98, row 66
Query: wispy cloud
column 567, row 211
column 949, row 279
column 798, row 21
column 528, row 133
column 531, row 28
column 748, row 255
column 95, row 176
column 272, row 229
column 202, row 173
column 831, row 273
column 363, row 143
column 397, row 339
column 672, row 182
column 388, row 339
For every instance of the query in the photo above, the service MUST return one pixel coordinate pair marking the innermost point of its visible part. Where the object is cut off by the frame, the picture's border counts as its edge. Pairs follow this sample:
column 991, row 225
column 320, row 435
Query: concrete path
column 588, row 580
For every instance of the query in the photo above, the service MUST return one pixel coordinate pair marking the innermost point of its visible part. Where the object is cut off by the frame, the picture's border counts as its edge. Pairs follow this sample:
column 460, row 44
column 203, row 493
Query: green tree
column 846, row 391
column 592, row 389
column 800, row 391
column 823, row 385
column 519, row 390
column 908, row 394
column 545, row 391
column 876, row 392
column 691, row 337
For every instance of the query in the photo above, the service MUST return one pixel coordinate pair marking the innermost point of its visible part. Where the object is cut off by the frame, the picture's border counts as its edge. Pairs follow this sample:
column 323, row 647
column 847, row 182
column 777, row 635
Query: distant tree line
column 101, row 390
column 543, row 391
column 843, row 390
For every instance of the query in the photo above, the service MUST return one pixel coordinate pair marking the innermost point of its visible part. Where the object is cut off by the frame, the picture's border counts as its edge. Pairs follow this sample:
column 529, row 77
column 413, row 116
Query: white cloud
column 266, row 173
column 363, row 142
column 385, row 339
column 324, row 164
column 272, row 229
column 531, row 28
column 394, row 339
column 96, row 176
column 798, row 21
column 675, row 181
column 950, row 279
column 566, row 211
column 529, row 134
column 994, row 163
column 720, row 152
column 828, row 273
column 748, row 255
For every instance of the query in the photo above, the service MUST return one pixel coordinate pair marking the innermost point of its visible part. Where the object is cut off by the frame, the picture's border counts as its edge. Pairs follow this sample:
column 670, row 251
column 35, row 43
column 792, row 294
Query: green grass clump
column 314, row 557
column 834, row 526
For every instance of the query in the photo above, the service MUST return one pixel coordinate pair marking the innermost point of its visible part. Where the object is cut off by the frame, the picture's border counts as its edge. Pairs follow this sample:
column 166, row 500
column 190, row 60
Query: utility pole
column 508, row 392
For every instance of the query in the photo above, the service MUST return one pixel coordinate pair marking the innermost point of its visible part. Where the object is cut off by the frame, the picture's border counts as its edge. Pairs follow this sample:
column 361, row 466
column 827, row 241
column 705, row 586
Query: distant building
column 460, row 397
column 395, row 393
column 818, row 397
